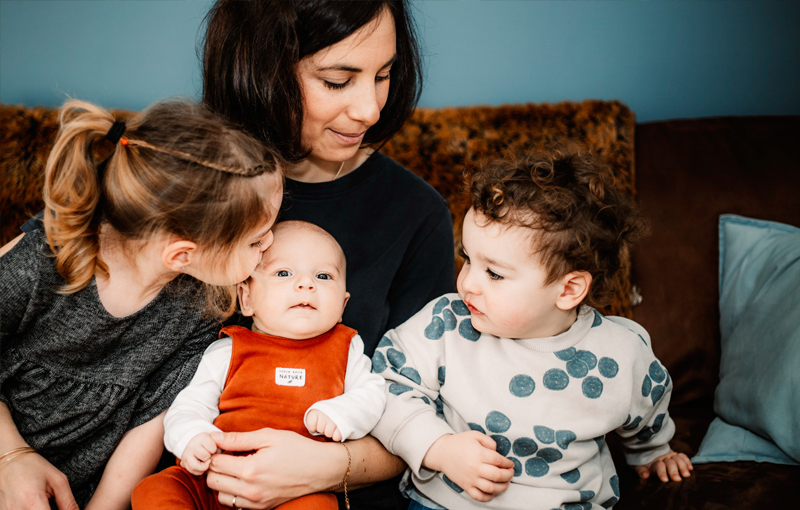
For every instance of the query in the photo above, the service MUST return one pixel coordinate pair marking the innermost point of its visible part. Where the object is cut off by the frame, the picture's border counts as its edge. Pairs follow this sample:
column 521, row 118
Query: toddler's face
column 298, row 291
column 502, row 282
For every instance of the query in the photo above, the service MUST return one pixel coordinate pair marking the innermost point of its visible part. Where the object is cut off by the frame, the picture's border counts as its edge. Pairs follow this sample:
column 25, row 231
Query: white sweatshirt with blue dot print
column 547, row 402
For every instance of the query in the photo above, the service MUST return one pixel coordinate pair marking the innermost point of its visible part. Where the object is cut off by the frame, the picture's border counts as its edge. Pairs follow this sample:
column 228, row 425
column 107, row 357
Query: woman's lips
column 348, row 138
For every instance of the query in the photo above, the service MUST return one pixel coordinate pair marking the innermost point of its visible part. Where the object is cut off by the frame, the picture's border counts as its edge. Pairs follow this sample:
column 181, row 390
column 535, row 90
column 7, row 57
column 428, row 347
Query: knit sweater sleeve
column 648, row 429
column 413, row 367
column 19, row 279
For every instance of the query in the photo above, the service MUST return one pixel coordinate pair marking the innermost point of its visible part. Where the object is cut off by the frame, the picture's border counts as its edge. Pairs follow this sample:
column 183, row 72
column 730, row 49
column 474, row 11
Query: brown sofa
column 684, row 174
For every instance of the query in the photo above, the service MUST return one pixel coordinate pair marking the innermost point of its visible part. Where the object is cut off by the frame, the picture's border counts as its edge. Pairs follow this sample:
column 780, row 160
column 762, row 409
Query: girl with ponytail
column 108, row 306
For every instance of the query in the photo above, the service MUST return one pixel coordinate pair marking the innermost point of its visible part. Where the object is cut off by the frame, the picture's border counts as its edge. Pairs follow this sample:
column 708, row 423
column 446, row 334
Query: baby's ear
column 346, row 299
column 243, row 290
column 575, row 287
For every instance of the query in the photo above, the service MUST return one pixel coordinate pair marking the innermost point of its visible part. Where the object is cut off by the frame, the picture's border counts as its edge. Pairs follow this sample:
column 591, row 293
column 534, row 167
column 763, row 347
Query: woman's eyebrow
column 350, row 69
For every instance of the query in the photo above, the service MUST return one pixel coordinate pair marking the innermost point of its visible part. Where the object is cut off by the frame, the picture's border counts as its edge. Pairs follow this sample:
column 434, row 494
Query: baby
column 517, row 377
column 298, row 369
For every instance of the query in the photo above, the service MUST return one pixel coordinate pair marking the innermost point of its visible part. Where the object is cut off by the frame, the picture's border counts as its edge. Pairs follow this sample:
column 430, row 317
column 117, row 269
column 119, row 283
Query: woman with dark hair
column 327, row 82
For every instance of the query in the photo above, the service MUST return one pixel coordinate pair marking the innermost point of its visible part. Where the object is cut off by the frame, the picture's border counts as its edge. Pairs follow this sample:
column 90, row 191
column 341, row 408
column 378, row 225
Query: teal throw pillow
column 759, row 388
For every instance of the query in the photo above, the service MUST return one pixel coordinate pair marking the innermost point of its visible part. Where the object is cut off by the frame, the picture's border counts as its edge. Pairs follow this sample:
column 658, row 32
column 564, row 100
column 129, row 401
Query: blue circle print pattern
column 579, row 364
column 651, row 384
column 497, row 422
column 536, row 467
column 450, row 483
column 466, row 330
column 449, row 319
column 555, row 379
column 578, row 506
column 571, row 476
column 592, row 387
column 440, row 305
column 545, row 435
column 460, row 308
column 398, row 389
column 475, row 426
column 378, row 362
column 503, row 444
column 411, row 374
column 395, row 357
column 385, row 342
column 524, row 447
column 435, row 330
column 521, row 385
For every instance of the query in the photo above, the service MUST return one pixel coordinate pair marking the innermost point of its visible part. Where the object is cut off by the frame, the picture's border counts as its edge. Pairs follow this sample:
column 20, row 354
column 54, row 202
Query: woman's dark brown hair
column 252, row 48
column 585, row 222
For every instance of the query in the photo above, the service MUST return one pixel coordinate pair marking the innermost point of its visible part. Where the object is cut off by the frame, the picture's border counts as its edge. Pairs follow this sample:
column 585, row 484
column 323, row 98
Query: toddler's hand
column 469, row 459
column 670, row 465
column 197, row 454
column 319, row 422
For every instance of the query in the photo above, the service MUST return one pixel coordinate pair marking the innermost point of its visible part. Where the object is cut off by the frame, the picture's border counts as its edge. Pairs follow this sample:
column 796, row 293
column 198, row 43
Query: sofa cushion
column 688, row 172
column 759, row 272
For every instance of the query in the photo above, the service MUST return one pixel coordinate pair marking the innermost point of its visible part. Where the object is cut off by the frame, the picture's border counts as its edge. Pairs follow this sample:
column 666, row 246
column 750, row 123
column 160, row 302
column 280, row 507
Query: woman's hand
column 285, row 466
column 27, row 482
column 671, row 465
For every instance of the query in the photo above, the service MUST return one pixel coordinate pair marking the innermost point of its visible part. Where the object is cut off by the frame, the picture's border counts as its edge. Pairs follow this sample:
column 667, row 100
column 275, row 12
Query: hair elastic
column 115, row 132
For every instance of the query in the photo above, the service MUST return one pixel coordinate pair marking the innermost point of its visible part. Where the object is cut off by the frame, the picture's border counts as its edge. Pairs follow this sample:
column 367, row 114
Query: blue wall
column 664, row 59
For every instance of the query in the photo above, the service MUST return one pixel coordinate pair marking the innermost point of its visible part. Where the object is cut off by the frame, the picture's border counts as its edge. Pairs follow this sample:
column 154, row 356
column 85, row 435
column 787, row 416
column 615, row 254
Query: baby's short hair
column 583, row 220
column 289, row 225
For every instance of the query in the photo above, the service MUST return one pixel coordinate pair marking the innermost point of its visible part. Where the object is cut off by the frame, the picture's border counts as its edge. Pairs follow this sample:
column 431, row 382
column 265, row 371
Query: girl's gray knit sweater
column 76, row 378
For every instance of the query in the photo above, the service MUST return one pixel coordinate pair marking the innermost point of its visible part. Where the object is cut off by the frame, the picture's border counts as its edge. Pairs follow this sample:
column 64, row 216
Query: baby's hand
column 670, row 465
column 469, row 459
column 319, row 422
column 197, row 454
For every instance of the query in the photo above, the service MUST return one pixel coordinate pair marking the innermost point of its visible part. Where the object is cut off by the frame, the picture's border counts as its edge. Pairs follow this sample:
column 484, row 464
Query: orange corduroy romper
column 259, row 394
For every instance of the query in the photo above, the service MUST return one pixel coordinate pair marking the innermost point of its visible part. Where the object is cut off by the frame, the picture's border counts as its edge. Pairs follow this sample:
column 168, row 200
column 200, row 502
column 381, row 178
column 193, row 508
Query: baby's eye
column 324, row 276
column 463, row 255
column 283, row 273
column 493, row 275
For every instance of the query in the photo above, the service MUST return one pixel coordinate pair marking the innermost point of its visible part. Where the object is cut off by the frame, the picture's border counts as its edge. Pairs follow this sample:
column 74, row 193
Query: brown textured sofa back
column 688, row 172
column 440, row 145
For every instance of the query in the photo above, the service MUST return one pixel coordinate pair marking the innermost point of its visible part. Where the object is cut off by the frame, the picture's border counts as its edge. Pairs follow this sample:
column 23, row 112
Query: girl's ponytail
column 72, row 191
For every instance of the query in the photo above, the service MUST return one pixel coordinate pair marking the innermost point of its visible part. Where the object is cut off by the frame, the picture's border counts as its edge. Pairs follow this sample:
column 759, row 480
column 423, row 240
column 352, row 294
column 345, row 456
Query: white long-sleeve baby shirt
column 355, row 412
column 547, row 403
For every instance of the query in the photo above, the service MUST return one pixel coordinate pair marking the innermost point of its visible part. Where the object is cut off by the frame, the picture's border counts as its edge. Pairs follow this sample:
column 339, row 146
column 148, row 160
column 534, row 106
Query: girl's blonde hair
column 178, row 169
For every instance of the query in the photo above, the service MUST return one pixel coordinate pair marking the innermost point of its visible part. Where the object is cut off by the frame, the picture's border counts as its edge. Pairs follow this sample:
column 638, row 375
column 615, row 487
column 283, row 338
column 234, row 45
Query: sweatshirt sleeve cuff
column 413, row 439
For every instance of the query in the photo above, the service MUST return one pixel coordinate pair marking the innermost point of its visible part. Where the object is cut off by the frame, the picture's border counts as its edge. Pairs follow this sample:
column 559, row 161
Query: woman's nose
column 366, row 106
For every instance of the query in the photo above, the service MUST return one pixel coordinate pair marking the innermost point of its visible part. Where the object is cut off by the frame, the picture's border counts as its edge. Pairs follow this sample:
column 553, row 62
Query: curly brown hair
column 584, row 221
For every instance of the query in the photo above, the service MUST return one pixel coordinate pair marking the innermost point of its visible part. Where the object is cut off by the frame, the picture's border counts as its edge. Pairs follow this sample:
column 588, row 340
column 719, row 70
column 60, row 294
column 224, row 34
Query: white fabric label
column 290, row 376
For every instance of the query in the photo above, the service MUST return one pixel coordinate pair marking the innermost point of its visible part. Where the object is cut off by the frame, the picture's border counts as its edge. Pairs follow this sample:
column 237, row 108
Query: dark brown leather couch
column 688, row 172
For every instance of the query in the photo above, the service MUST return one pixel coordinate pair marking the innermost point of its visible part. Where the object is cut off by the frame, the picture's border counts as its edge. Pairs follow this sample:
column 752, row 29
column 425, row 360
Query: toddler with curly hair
column 501, row 396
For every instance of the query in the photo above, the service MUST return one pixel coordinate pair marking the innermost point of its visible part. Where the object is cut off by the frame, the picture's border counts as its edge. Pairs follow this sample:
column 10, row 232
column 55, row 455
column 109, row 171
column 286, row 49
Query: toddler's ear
column 575, row 288
column 243, row 290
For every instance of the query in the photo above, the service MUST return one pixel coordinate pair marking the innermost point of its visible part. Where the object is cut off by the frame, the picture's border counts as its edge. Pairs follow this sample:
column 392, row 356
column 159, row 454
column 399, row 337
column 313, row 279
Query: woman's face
column 344, row 88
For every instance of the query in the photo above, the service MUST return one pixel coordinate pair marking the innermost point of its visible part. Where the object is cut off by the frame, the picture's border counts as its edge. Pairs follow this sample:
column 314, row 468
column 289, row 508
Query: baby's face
column 298, row 291
column 503, row 284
